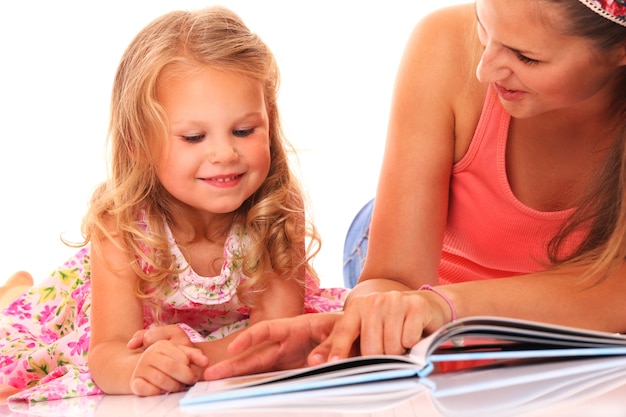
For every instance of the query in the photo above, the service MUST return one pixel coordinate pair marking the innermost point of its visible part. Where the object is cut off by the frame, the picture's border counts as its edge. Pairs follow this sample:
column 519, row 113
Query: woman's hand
column 165, row 366
column 274, row 345
column 376, row 323
column 386, row 323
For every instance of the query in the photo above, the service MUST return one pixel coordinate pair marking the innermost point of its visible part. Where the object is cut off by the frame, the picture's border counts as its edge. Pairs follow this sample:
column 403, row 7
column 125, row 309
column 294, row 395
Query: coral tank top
column 490, row 233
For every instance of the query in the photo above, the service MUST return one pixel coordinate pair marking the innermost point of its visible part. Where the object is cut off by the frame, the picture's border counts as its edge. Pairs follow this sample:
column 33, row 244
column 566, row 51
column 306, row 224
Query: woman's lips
column 509, row 95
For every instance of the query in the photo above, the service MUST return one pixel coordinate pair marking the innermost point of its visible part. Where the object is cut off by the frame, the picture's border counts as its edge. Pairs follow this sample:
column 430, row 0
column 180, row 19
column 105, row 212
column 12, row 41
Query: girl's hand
column 274, row 345
column 147, row 337
column 167, row 367
column 386, row 322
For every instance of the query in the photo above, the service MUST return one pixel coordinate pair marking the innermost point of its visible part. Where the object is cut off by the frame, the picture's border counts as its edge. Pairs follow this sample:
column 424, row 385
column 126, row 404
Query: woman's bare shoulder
column 443, row 46
column 455, row 51
column 449, row 24
column 440, row 62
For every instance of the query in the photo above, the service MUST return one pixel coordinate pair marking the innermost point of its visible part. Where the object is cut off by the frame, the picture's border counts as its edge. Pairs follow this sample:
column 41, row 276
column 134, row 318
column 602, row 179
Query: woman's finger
column 251, row 361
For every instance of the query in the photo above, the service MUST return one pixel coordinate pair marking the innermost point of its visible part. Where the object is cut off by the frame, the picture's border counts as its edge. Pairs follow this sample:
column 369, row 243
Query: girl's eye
column 527, row 60
column 242, row 133
column 193, row 138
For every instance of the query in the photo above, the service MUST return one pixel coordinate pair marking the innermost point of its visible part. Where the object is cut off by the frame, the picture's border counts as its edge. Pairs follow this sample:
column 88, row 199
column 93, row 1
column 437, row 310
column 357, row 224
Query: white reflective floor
column 580, row 388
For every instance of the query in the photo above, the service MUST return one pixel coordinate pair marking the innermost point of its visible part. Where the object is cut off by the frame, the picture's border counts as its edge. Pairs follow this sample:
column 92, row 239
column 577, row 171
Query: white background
column 338, row 61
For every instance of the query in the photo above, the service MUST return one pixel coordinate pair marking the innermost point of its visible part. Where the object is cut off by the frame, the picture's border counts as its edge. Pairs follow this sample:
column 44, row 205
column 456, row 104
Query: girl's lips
column 509, row 95
column 224, row 181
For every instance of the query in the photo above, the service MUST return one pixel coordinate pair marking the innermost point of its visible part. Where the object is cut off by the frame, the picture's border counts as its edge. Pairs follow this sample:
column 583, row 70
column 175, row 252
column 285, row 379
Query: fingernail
column 317, row 358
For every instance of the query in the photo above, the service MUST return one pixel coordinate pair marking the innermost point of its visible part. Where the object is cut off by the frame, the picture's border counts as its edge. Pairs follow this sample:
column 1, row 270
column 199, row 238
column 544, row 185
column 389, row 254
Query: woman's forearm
column 556, row 296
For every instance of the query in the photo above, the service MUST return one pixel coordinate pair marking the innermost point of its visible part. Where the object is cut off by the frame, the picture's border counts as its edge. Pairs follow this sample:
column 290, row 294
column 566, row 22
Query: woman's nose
column 492, row 66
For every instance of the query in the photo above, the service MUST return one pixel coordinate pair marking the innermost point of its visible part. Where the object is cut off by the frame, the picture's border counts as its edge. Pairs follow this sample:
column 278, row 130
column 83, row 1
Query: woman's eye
column 527, row 60
column 242, row 133
column 193, row 138
column 481, row 35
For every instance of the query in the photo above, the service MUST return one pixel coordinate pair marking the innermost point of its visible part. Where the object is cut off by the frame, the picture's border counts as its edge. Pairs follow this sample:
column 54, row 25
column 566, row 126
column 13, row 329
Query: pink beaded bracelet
column 440, row 294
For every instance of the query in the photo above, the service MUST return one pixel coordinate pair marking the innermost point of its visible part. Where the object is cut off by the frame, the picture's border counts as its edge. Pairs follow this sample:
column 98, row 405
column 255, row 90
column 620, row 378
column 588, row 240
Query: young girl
column 502, row 189
column 201, row 224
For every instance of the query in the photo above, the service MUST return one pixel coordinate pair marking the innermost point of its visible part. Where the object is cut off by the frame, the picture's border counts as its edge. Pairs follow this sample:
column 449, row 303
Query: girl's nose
column 222, row 150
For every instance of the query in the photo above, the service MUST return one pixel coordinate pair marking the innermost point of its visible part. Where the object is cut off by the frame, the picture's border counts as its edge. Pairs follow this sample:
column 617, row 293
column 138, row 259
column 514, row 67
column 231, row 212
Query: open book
column 491, row 391
column 466, row 342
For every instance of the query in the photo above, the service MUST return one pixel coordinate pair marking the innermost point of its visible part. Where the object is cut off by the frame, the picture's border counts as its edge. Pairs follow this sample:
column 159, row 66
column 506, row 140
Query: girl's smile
column 223, row 181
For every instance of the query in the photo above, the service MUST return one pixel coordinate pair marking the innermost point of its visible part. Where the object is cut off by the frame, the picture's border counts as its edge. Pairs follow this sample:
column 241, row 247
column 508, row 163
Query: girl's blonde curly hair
column 274, row 216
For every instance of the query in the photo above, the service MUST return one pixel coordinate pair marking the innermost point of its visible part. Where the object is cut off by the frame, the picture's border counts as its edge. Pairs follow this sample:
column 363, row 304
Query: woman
column 501, row 187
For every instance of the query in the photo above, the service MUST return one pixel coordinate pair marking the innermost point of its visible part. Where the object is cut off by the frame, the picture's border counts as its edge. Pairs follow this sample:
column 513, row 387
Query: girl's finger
column 143, row 388
column 167, row 367
column 136, row 342
column 195, row 356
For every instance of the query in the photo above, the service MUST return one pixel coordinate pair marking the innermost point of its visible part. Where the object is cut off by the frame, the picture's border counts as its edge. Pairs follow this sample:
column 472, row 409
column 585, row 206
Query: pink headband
column 614, row 10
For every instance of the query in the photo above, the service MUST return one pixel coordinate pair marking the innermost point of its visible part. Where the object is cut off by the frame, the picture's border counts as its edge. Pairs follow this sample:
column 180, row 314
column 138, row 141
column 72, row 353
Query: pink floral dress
column 44, row 335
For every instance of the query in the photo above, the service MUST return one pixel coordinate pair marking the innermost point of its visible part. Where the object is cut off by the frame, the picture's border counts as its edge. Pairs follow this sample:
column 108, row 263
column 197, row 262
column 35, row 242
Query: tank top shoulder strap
column 493, row 125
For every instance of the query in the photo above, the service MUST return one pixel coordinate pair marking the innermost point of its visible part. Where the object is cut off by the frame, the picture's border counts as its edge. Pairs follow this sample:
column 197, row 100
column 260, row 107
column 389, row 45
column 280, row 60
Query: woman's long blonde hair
column 274, row 216
column 601, row 212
